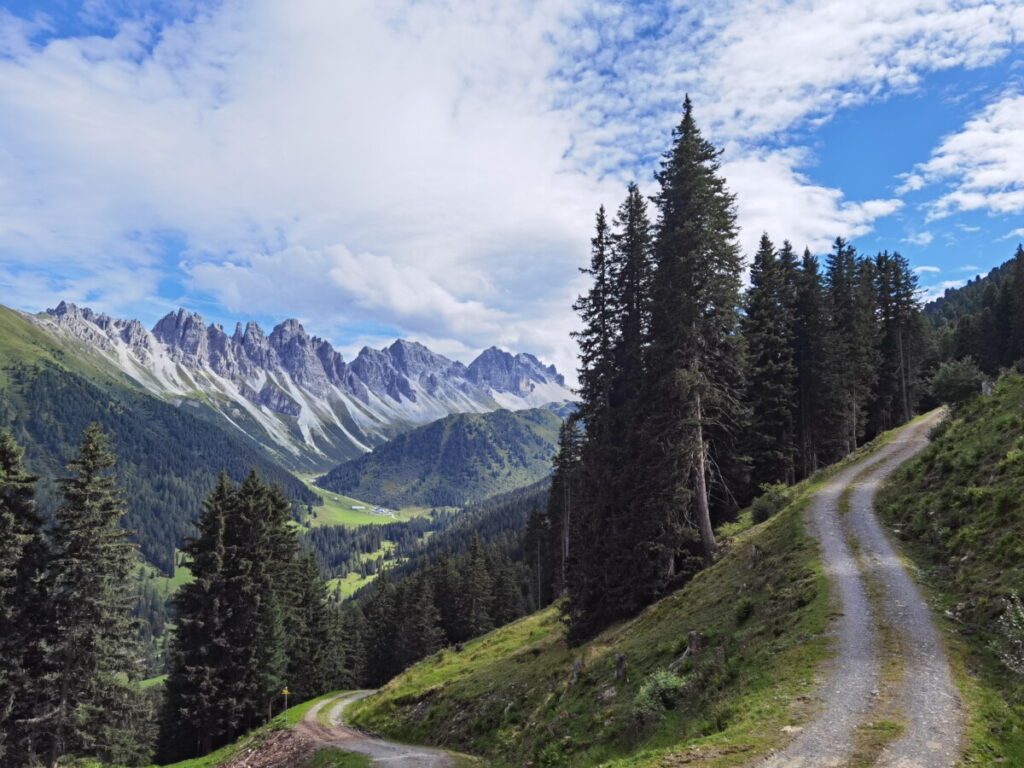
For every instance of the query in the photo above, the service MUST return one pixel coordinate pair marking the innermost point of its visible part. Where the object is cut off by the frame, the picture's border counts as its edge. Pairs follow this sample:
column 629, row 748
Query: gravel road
column 383, row 752
column 928, row 699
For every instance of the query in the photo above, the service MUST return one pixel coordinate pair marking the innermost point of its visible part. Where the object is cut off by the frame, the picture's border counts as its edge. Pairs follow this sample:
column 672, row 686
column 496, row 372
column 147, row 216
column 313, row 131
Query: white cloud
column 983, row 163
column 969, row 268
column 434, row 167
column 919, row 238
column 932, row 292
column 774, row 197
column 922, row 270
column 1019, row 232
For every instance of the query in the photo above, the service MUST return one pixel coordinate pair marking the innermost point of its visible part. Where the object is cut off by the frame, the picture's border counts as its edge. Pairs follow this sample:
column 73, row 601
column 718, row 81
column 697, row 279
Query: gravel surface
column 929, row 700
column 928, row 697
column 383, row 752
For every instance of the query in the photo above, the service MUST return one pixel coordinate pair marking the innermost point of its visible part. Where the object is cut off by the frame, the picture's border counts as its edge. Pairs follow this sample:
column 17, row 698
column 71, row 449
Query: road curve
column 352, row 740
column 928, row 698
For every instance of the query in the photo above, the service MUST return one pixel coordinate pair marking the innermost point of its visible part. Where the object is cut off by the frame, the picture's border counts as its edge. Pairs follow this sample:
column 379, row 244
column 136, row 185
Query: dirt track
column 382, row 752
column 856, row 553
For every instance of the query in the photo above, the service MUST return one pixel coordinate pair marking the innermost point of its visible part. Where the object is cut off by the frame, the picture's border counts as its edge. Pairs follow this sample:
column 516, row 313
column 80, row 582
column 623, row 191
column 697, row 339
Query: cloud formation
column 983, row 163
column 431, row 168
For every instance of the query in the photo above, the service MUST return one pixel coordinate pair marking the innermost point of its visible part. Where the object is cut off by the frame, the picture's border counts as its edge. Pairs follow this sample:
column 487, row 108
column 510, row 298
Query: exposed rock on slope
column 294, row 392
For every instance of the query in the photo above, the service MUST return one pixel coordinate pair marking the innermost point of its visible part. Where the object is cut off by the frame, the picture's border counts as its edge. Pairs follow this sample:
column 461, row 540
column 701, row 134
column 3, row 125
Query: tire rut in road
column 853, row 676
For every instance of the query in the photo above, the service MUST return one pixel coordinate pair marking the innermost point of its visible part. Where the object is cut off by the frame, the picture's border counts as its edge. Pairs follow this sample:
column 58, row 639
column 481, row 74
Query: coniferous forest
column 701, row 387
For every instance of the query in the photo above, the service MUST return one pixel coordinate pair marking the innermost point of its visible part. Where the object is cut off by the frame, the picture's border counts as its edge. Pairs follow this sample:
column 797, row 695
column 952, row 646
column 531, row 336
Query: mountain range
column 294, row 393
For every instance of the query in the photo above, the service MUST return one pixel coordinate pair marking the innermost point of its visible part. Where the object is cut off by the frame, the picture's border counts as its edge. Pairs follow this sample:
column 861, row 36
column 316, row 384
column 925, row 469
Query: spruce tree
column 853, row 331
column 197, row 715
column 255, row 542
column 695, row 361
column 478, row 591
column 811, row 345
column 91, row 651
column 315, row 651
column 769, row 334
column 23, row 561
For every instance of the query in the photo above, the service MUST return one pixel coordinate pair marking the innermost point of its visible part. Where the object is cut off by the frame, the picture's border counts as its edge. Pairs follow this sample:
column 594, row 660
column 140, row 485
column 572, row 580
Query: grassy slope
column 957, row 509
column 507, row 696
column 338, row 509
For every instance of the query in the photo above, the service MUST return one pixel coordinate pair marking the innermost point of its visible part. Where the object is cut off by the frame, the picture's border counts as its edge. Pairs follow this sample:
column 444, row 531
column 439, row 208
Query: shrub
column 744, row 609
column 957, row 382
column 659, row 691
column 773, row 499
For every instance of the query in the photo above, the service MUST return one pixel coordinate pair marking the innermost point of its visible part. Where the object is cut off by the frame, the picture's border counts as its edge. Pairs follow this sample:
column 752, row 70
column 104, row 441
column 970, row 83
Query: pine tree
column 696, row 368
column 769, row 334
column 558, row 515
column 899, row 357
column 23, row 561
column 315, row 652
column 197, row 718
column 507, row 601
column 92, row 644
column 811, row 345
column 254, row 547
column 478, row 591
column 853, row 342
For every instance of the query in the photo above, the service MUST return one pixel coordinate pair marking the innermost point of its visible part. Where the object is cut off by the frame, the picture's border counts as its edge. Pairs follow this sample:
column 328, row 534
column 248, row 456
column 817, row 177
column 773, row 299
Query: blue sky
column 431, row 170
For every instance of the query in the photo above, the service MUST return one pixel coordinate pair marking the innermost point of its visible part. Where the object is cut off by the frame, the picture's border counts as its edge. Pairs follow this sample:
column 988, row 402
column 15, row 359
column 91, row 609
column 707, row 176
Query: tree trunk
column 707, row 533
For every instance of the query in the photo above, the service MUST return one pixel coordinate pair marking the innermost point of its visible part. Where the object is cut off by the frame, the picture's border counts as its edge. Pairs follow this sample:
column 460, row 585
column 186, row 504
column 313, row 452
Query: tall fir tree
column 849, row 282
column 768, row 328
column 811, row 344
column 197, row 719
column 24, row 557
column 695, row 357
column 92, row 646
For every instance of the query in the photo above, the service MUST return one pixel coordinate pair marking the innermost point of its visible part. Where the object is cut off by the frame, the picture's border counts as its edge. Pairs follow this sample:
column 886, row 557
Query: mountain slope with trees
column 169, row 456
column 696, row 398
column 753, row 624
column 454, row 461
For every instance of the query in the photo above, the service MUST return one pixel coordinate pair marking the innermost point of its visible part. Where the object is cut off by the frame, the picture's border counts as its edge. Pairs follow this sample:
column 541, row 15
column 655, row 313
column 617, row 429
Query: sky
column 431, row 169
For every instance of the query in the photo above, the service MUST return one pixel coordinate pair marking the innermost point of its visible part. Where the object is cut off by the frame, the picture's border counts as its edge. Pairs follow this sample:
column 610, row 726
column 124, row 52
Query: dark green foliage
column 903, row 344
column 853, row 350
column 769, row 330
column 984, row 320
column 23, row 559
column 661, row 375
column 773, row 499
column 168, row 457
column 454, row 461
column 90, row 650
column 813, row 397
column 254, row 620
column 957, row 382
column 447, row 601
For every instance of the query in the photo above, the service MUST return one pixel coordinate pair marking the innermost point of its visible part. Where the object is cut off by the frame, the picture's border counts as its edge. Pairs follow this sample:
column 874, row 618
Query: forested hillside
column 455, row 461
column 697, row 397
column 170, row 458
column 984, row 320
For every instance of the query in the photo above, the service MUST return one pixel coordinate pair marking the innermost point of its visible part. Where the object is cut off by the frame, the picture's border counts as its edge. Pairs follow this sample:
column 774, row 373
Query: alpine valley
column 185, row 400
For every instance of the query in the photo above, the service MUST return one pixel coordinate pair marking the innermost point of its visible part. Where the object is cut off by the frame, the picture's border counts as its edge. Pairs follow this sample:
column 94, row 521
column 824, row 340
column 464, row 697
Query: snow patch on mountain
column 294, row 392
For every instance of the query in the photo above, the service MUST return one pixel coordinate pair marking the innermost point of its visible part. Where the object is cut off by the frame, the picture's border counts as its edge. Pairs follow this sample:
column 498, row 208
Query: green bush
column 744, row 609
column 659, row 691
column 957, row 382
column 773, row 499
